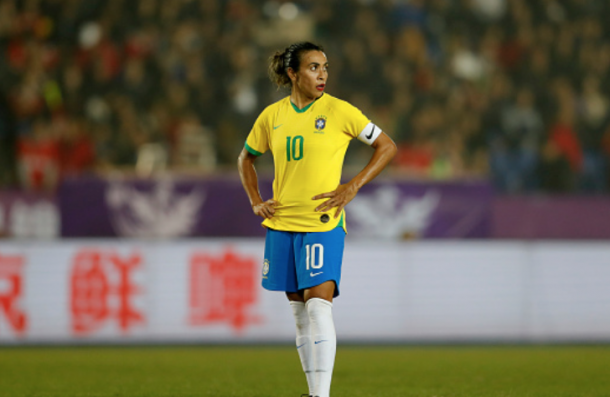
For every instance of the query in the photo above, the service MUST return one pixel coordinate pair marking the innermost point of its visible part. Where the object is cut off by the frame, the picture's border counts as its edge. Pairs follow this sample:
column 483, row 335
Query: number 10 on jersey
column 294, row 148
column 314, row 256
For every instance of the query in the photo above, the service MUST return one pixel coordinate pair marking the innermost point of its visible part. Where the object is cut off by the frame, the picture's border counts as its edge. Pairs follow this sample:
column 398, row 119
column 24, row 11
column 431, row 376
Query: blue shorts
column 295, row 261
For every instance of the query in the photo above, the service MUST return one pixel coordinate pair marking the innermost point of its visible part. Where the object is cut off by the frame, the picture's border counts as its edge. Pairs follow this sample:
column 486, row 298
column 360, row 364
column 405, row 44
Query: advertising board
column 208, row 291
column 218, row 207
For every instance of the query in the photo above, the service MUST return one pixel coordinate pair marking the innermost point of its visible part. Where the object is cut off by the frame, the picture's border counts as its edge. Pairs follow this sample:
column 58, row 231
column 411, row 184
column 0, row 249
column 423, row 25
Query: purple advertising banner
column 540, row 217
column 159, row 208
column 26, row 214
column 406, row 210
column 171, row 208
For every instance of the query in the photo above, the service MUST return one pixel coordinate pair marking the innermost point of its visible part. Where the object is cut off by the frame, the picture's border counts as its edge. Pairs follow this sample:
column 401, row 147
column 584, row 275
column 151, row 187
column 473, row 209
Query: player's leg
column 303, row 328
column 305, row 345
column 279, row 274
column 320, row 274
column 324, row 340
column 303, row 339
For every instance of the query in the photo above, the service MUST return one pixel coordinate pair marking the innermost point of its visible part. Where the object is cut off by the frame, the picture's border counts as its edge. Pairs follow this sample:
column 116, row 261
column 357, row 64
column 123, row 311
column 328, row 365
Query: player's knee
column 295, row 297
column 323, row 291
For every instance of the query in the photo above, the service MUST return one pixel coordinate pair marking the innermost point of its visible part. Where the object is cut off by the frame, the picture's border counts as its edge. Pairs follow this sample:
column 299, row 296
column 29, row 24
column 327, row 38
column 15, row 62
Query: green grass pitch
column 400, row 371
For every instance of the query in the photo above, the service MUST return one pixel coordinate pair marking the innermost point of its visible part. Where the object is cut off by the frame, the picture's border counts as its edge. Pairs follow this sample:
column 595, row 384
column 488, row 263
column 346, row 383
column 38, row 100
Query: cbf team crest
column 320, row 123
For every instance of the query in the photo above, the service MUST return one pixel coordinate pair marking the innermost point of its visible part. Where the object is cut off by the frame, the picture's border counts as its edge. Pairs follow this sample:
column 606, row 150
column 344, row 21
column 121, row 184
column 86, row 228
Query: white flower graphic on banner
column 385, row 214
column 161, row 212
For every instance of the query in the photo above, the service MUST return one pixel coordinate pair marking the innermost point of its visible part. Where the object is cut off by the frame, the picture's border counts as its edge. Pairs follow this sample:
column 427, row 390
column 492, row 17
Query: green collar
column 296, row 109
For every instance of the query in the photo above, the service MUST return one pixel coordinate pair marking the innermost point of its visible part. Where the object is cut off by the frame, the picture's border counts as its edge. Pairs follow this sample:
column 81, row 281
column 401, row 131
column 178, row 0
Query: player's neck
column 300, row 100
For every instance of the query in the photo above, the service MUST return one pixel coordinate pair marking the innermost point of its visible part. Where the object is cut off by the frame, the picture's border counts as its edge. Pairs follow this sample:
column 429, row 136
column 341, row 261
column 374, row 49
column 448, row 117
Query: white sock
column 325, row 343
column 304, row 345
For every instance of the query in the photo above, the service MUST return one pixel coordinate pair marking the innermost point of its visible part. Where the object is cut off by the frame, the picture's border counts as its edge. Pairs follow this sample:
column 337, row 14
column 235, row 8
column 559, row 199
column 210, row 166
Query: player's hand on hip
column 338, row 198
column 266, row 209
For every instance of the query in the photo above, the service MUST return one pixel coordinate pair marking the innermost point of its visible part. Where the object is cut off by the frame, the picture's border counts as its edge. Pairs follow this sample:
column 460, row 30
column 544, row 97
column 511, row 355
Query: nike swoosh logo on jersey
column 312, row 274
column 298, row 347
column 320, row 341
column 277, row 126
column 369, row 136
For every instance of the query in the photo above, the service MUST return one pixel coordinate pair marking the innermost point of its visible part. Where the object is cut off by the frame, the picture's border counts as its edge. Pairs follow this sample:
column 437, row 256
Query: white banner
column 209, row 291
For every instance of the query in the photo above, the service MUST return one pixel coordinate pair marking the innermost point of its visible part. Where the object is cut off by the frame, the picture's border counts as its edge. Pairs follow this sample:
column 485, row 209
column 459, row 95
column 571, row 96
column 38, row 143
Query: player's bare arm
column 385, row 149
column 249, row 179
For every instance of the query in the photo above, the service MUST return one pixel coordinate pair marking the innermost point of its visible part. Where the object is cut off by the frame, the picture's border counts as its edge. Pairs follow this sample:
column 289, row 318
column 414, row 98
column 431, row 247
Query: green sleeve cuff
column 252, row 151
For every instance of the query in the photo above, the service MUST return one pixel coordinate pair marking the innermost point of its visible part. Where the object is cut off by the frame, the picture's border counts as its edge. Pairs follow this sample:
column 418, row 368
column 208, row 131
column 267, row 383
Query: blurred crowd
column 512, row 90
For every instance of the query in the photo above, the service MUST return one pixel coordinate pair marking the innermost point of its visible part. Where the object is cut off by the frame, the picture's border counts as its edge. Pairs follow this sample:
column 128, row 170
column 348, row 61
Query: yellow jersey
column 308, row 147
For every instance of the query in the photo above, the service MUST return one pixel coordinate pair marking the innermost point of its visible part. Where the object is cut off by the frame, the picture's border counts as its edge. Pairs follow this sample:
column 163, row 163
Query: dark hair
column 290, row 57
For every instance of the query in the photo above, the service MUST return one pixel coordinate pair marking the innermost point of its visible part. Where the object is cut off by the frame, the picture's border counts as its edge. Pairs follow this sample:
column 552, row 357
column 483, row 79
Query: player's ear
column 292, row 75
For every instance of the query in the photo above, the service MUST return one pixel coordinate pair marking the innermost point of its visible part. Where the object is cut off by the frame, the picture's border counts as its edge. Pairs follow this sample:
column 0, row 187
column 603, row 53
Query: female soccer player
column 308, row 133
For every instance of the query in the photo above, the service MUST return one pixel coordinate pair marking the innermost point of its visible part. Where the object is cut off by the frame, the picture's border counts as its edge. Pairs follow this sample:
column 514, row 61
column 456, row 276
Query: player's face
column 312, row 75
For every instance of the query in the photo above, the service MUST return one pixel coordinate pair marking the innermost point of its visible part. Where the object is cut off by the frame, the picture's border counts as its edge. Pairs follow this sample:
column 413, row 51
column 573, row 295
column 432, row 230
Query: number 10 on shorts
column 314, row 257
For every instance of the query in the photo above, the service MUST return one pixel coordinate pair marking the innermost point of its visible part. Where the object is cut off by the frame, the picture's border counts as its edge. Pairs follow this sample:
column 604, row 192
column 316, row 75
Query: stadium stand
column 510, row 90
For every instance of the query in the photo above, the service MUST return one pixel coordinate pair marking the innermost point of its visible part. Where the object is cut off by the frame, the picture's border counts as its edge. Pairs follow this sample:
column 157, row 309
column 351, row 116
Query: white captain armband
column 369, row 134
